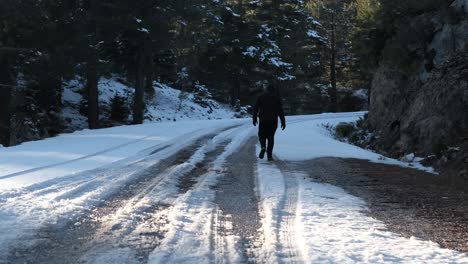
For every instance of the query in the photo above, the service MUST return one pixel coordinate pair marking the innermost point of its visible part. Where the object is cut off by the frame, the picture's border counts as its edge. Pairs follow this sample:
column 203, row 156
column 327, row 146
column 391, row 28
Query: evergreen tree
column 233, row 47
column 337, row 18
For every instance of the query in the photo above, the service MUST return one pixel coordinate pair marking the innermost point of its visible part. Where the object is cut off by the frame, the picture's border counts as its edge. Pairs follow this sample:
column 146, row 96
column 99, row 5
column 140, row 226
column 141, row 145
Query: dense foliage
column 234, row 48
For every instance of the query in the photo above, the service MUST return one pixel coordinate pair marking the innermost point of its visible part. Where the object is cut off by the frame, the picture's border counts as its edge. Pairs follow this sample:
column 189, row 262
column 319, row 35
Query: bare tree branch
column 13, row 49
column 7, row 86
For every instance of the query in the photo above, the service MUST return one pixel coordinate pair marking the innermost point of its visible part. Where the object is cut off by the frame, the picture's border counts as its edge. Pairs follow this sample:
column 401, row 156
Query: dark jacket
column 268, row 108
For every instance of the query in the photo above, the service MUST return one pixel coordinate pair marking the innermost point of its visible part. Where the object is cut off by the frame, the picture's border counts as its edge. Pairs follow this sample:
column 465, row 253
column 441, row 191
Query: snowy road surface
column 191, row 192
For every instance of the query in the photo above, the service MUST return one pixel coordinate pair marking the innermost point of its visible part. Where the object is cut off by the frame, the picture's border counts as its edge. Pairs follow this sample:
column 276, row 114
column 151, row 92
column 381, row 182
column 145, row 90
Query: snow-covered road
column 191, row 192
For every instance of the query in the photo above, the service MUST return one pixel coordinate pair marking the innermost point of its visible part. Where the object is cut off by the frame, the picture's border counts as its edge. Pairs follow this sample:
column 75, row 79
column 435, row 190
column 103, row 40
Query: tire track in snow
column 287, row 219
column 63, row 185
column 149, row 154
column 278, row 192
column 237, row 203
column 291, row 230
column 36, row 169
column 54, row 238
column 142, row 236
column 193, row 233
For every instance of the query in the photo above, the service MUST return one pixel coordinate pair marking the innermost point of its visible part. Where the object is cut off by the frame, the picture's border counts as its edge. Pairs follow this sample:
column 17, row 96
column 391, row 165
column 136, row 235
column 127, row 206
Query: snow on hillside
column 167, row 105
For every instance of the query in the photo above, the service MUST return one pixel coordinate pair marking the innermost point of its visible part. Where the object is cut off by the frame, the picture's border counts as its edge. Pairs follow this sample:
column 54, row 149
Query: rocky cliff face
column 419, row 98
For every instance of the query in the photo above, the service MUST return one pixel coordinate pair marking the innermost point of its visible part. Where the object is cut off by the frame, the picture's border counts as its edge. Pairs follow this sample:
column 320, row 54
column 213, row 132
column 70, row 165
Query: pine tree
column 234, row 47
column 337, row 18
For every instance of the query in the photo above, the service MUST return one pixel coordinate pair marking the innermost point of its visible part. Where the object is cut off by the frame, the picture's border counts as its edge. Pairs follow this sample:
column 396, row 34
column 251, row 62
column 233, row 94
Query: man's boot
column 270, row 157
column 262, row 153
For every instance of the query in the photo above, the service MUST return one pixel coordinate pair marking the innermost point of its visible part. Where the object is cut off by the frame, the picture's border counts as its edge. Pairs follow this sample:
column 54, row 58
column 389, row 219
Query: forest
column 308, row 49
column 321, row 55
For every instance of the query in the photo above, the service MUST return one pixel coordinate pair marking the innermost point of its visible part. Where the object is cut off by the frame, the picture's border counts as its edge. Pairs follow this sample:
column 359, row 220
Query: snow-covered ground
column 60, row 179
column 329, row 226
column 68, row 154
column 167, row 105
column 308, row 140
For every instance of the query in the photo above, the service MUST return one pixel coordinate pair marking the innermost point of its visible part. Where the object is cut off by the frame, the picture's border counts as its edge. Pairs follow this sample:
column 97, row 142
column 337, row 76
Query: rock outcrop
column 419, row 95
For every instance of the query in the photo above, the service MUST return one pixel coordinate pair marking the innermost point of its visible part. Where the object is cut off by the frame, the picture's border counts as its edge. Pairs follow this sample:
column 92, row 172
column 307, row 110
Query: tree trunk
column 138, row 102
column 237, row 71
column 333, row 92
column 240, row 7
column 92, row 91
column 233, row 94
column 5, row 101
column 369, row 96
column 149, row 70
column 92, row 71
column 235, row 91
column 49, row 97
column 5, row 115
column 276, row 4
column 238, row 88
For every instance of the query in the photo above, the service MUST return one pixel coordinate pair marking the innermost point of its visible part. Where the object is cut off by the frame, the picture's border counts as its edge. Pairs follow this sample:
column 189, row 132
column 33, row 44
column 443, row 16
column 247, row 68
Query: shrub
column 344, row 130
column 202, row 96
column 119, row 109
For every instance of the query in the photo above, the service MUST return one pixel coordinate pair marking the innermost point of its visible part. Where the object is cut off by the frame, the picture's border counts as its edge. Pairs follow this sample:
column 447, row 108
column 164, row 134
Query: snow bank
column 334, row 229
column 306, row 138
column 68, row 154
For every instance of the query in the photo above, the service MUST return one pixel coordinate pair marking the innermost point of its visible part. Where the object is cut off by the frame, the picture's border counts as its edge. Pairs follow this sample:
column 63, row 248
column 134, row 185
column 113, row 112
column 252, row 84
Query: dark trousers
column 266, row 131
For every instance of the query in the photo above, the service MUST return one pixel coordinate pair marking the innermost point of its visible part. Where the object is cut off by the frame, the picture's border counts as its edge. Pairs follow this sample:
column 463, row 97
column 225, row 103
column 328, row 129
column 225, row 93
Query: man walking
column 268, row 108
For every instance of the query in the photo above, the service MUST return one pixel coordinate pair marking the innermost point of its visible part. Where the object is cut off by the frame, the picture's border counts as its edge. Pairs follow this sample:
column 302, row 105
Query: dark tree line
column 234, row 47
